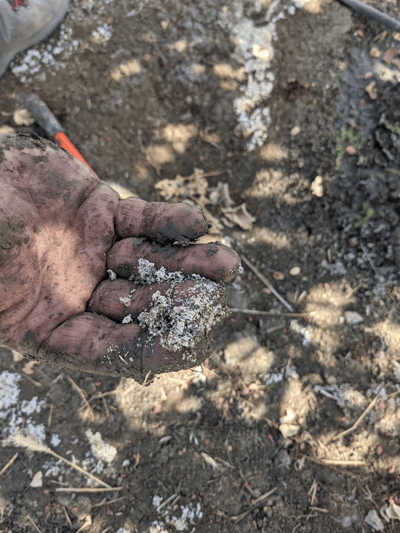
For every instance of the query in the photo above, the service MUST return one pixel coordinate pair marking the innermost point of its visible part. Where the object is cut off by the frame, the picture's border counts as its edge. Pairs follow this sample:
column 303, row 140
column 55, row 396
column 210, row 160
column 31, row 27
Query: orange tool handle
column 65, row 143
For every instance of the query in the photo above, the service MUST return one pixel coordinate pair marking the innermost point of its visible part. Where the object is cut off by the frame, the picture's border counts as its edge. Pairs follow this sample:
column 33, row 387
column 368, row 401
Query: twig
column 313, row 491
column 266, row 313
column 239, row 518
column 353, row 291
column 38, row 446
column 88, row 489
column 100, row 395
column 50, row 415
column 267, row 283
column 146, row 378
column 10, row 462
column 34, row 525
column 359, row 419
column 108, row 502
column 334, row 462
column 67, row 516
column 247, row 484
column 82, row 395
column 87, row 523
column 34, row 382
column 108, row 415
column 166, row 502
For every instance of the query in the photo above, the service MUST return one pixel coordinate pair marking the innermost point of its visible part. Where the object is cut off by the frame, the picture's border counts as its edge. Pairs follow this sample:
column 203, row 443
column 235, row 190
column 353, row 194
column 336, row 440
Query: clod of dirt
column 180, row 320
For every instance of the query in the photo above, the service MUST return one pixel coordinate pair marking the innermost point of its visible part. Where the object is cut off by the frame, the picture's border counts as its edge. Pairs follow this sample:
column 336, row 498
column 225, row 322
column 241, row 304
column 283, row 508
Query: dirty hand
column 61, row 228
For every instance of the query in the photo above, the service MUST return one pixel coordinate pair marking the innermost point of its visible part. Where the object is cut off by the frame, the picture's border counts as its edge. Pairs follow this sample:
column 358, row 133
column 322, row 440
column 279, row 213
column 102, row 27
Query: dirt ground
column 292, row 109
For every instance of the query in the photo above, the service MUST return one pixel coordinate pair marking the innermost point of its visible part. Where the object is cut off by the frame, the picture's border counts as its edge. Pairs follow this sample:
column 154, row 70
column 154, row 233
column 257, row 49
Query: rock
column 352, row 318
column 283, row 458
column 295, row 131
column 372, row 90
column 37, row 480
column 290, row 415
column 373, row 520
column 295, row 271
column 289, row 430
column 349, row 520
column 7, row 130
column 317, row 187
column 22, row 117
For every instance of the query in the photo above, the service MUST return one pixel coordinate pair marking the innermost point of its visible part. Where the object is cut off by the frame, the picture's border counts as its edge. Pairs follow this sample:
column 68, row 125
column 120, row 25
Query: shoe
column 24, row 23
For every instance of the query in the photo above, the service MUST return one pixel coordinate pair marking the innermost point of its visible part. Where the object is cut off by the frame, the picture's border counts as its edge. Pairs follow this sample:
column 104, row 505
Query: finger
column 96, row 344
column 161, row 222
column 212, row 260
column 120, row 298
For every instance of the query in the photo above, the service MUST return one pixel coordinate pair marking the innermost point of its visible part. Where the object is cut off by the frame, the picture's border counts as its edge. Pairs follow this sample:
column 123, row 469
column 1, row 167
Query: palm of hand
column 69, row 229
column 57, row 223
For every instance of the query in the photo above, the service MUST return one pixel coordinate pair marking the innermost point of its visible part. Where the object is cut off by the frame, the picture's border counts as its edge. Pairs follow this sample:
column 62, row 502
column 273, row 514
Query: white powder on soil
column 180, row 322
column 100, row 449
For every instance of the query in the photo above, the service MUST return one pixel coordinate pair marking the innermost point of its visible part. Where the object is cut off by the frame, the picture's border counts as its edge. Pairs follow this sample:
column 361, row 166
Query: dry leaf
column 390, row 511
column 220, row 195
column 210, row 461
column 239, row 216
column 373, row 520
column 22, row 117
column 37, row 480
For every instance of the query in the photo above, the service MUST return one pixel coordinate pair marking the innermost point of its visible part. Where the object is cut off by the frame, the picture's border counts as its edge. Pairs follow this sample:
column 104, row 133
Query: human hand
column 61, row 228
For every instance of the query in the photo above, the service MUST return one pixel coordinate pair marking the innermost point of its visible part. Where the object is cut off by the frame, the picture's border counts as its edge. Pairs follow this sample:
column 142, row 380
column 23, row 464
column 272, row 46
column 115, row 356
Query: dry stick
column 108, row 502
column 67, row 516
column 10, row 462
column 100, row 395
column 367, row 410
column 166, row 502
column 88, row 489
column 34, row 525
column 266, row 313
column 39, row 446
column 267, row 283
column 343, row 463
column 359, row 419
column 334, row 462
column 50, row 415
column 239, row 518
column 82, row 395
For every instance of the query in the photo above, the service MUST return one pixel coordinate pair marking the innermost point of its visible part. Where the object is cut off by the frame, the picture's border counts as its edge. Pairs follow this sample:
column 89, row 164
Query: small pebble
column 317, row 187
column 379, row 450
column 295, row 131
column 283, row 458
column 295, row 271
column 352, row 317
column 289, row 430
